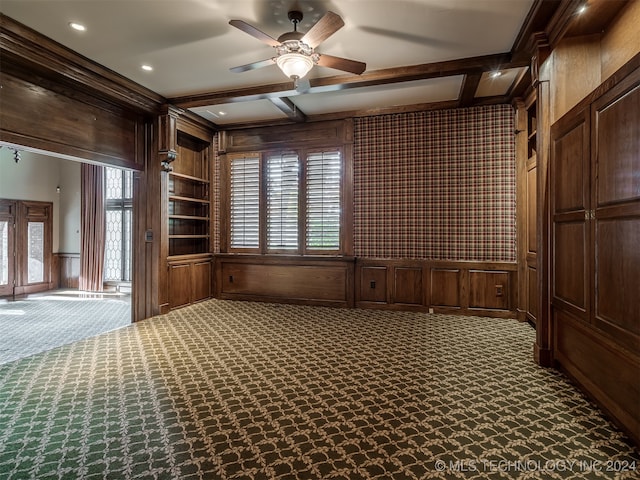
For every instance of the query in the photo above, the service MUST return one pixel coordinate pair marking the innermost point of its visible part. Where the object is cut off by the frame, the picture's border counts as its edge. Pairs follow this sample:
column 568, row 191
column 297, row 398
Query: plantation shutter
column 282, row 202
column 245, row 202
column 323, row 201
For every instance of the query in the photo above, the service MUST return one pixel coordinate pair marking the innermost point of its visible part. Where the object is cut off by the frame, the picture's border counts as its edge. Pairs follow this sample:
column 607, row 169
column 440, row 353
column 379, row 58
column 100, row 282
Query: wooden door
column 615, row 139
column 570, row 208
column 596, row 305
column 7, row 247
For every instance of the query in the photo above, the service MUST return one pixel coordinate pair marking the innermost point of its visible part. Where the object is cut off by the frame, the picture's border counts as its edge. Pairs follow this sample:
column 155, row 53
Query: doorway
column 25, row 246
column 40, row 254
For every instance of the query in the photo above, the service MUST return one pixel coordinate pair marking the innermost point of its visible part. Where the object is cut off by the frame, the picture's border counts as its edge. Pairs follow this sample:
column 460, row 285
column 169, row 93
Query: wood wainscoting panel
column 285, row 281
column 316, row 281
column 407, row 286
column 445, row 287
column 606, row 371
column 489, row 289
column 373, row 284
column 468, row 288
column 69, row 268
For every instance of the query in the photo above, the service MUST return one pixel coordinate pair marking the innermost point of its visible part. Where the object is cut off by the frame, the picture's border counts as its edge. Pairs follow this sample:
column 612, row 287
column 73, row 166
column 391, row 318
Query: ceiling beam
column 289, row 108
column 468, row 89
column 473, row 65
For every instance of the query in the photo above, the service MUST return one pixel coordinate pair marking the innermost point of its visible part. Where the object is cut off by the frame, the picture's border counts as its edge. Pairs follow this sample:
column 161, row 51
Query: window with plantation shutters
column 323, row 179
column 245, row 202
column 287, row 202
column 282, row 175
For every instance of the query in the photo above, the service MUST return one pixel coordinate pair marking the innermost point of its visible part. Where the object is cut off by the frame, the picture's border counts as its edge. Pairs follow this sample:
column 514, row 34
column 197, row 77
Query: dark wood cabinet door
column 615, row 139
column 179, row 285
column 596, row 245
column 570, row 209
column 201, row 276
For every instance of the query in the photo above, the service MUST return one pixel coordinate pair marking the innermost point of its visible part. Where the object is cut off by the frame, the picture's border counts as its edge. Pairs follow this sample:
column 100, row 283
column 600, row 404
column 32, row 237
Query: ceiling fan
column 295, row 53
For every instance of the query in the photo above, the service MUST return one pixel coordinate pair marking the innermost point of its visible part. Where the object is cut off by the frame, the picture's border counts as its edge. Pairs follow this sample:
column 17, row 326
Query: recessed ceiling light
column 146, row 68
column 77, row 26
column 582, row 9
column 217, row 114
column 495, row 74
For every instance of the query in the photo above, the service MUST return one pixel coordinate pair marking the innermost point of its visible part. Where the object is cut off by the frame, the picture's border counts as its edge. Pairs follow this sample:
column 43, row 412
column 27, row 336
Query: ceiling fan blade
column 253, row 66
column 343, row 64
column 323, row 29
column 254, row 32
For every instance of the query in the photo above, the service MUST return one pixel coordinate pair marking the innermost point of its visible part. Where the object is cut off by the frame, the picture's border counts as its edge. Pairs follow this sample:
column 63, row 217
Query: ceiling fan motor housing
column 295, row 16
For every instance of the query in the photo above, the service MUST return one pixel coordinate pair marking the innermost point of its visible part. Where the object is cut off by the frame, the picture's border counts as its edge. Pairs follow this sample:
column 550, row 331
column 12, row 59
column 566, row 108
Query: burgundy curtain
column 92, row 228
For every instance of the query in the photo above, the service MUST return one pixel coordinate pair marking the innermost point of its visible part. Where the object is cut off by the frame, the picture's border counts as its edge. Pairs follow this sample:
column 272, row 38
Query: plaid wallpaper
column 436, row 185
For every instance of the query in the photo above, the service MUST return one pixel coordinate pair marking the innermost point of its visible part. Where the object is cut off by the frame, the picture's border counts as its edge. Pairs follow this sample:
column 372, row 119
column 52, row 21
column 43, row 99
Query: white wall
column 69, row 206
column 36, row 177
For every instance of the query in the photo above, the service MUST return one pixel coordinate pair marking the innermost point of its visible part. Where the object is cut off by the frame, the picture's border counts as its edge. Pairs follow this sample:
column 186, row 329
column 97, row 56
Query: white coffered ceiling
column 191, row 47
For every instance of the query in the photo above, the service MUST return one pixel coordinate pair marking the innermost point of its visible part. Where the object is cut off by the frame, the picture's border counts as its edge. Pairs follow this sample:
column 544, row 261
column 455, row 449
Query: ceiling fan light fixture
column 295, row 65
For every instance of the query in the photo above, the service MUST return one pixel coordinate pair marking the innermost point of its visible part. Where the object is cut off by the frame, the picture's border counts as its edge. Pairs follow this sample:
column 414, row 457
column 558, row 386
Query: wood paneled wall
column 594, row 257
column 467, row 288
column 275, row 278
column 68, row 269
column 580, row 64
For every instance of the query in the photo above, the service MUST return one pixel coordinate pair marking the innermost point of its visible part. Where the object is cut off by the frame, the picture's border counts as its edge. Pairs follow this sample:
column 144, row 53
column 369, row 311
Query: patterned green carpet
column 44, row 321
column 238, row 390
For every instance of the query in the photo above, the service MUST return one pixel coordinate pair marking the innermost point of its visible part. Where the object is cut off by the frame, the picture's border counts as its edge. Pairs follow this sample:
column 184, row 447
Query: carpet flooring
column 240, row 390
column 44, row 321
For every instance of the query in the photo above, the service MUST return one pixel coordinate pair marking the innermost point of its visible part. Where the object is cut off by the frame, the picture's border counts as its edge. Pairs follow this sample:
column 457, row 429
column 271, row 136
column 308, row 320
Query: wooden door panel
column 179, row 285
column 532, row 211
column 569, row 258
column 373, row 284
column 570, row 176
column 201, row 281
column 408, row 285
column 617, row 147
column 7, row 249
column 532, row 288
column 618, row 276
